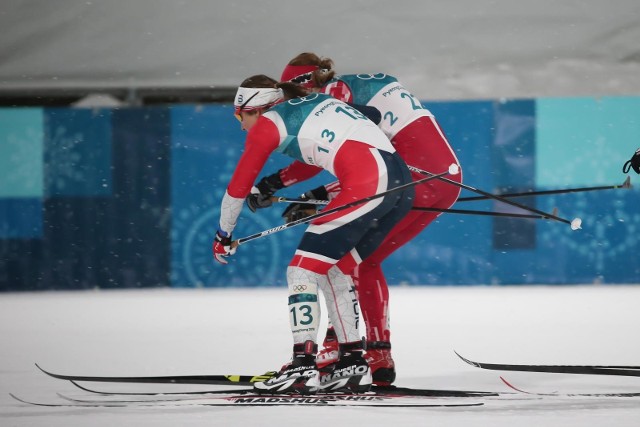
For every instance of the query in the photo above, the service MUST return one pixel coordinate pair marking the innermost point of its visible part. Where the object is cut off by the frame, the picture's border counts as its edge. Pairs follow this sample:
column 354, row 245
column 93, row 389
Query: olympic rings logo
column 300, row 100
column 299, row 288
column 378, row 76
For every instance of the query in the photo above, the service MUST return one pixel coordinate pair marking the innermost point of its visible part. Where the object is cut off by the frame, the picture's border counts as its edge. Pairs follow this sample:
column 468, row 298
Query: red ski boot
column 383, row 368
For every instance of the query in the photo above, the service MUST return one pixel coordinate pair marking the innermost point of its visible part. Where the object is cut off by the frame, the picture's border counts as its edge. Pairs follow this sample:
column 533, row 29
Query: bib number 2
column 415, row 104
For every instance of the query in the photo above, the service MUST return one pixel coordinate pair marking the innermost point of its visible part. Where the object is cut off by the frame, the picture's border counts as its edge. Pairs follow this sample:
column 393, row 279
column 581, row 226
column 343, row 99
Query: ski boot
column 383, row 368
column 350, row 373
column 330, row 351
column 300, row 376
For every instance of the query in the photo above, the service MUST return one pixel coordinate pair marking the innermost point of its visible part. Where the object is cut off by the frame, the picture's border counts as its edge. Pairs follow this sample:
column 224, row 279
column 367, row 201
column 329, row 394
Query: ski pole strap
column 452, row 170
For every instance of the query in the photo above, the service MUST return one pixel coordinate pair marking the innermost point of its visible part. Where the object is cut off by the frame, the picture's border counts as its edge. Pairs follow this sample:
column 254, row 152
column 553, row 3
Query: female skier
column 321, row 133
column 418, row 139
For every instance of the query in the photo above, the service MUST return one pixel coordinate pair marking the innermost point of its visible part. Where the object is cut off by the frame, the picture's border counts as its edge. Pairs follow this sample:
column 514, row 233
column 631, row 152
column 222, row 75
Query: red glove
column 222, row 247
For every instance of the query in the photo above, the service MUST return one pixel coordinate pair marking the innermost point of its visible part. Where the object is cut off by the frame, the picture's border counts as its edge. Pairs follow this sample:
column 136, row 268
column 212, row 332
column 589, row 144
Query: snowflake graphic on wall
column 63, row 161
column 612, row 233
column 193, row 230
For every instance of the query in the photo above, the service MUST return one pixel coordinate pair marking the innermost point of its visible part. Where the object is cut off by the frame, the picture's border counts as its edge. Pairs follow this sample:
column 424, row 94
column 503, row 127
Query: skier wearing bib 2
column 320, row 132
column 419, row 140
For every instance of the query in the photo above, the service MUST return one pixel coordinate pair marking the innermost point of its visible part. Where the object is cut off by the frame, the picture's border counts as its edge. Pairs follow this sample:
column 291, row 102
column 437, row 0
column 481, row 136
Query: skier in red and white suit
column 418, row 139
column 320, row 132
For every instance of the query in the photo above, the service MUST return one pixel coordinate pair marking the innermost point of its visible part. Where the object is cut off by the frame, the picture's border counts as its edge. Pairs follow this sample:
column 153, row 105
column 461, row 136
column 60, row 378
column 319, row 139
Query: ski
column 376, row 390
column 369, row 396
column 556, row 394
column 158, row 393
column 266, row 400
column 630, row 371
column 242, row 380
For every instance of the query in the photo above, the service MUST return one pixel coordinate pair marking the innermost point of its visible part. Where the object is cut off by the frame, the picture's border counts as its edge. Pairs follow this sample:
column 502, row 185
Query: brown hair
column 290, row 90
column 325, row 71
column 258, row 81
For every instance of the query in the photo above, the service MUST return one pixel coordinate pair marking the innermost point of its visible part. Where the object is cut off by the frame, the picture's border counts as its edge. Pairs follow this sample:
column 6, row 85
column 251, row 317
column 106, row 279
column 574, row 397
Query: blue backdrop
column 130, row 198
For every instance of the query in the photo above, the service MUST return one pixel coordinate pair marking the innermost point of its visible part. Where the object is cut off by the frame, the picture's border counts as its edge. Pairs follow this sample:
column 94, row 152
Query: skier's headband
column 300, row 74
column 250, row 98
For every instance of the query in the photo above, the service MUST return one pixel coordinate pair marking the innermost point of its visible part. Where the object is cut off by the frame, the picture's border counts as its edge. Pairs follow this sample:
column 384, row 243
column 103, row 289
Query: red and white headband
column 249, row 98
column 300, row 74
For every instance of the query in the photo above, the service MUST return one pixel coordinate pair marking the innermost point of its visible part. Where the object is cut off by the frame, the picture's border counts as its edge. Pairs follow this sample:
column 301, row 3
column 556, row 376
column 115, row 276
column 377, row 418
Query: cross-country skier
column 418, row 139
column 320, row 132
column 633, row 162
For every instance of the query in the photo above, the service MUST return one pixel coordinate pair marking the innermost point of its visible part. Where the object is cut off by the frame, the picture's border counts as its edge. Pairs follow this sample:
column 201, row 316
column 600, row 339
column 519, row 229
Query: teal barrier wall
column 129, row 198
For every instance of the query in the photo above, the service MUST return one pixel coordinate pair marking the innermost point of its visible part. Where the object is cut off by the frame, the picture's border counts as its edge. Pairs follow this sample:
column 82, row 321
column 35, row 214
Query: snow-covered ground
column 172, row 332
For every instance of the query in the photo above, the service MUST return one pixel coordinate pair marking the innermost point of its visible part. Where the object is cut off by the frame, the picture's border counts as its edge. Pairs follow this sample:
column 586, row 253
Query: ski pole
column 276, row 199
column 625, row 184
column 453, row 170
column 575, row 223
column 417, row 208
column 484, row 213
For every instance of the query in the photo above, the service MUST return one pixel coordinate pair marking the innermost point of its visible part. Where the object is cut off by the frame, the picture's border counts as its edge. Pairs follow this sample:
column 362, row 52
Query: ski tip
column 627, row 183
column 51, row 374
column 519, row 390
column 44, row 371
column 18, row 399
column 69, row 399
column 81, row 387
column 470, row 362
column 511, row 386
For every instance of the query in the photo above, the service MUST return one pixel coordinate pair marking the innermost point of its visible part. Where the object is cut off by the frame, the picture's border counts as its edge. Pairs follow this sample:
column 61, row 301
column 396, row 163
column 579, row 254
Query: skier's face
column 247, row 119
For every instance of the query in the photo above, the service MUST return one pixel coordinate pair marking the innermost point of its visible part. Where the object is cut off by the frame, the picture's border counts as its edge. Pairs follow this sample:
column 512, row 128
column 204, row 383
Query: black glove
column 266, row 187
column 296, row 211
column 634, row 163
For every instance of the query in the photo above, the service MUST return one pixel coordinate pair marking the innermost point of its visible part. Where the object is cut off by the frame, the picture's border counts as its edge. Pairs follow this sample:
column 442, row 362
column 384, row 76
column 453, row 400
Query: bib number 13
column 351, row 112
column 306, row 318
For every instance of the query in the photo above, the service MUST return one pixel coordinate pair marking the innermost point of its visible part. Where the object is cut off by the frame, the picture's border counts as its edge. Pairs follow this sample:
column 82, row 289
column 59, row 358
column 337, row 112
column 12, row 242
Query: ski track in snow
column 174, row 332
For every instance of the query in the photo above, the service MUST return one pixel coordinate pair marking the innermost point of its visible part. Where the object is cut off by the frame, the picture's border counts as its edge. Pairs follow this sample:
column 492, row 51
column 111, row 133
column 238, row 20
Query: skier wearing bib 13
column 418, row 139
column 320, row 132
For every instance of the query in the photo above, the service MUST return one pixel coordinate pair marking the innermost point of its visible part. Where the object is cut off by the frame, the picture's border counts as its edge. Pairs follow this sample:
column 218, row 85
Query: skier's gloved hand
column 222, row 247
column 257, row 200
column 297, row 211
column 318, row 193
column 633, row 162
column 261, row 193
